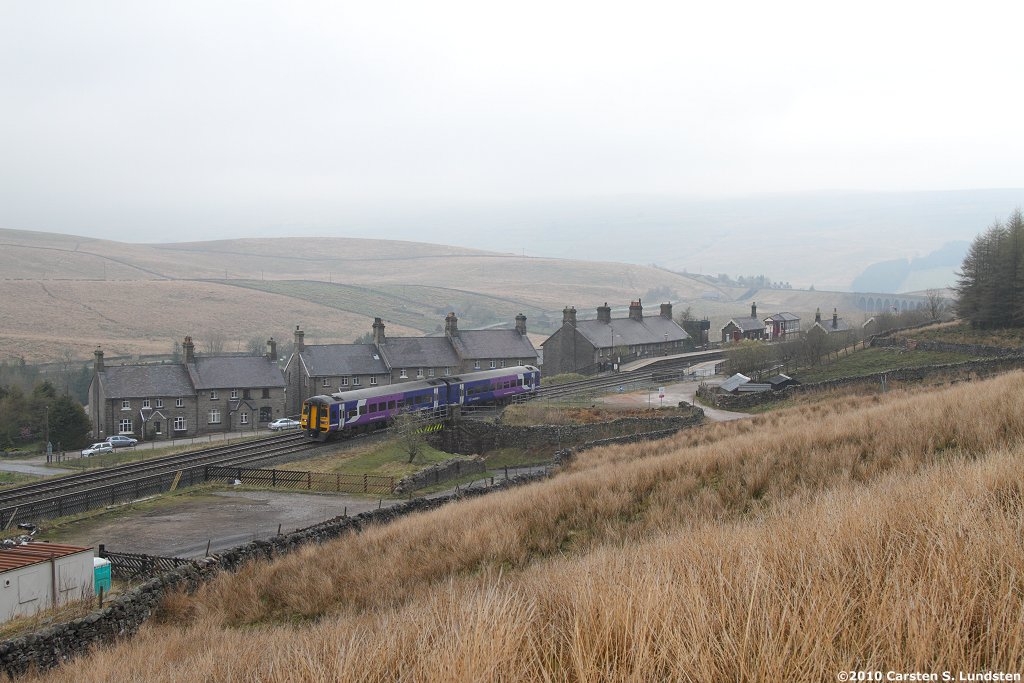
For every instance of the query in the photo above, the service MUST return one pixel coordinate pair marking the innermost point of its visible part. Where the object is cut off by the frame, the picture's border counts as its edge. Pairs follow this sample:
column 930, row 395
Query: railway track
column 77, row 492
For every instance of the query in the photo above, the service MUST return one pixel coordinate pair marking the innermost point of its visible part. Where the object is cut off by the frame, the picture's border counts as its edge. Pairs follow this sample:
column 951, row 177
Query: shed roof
column 734, row 382
column 782, row 318
column 33, row 553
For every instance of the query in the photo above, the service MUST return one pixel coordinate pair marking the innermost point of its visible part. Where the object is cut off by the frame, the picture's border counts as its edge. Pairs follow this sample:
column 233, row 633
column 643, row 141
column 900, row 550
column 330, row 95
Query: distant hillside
column 934, row 271
column 64, row 295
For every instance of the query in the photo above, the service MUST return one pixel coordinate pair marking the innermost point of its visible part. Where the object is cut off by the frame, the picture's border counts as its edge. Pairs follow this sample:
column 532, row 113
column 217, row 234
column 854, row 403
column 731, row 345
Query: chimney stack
column 378, row 332
column 753, row 310
column 300, row 340
column 189, row 349
column 97, row 365
column 451, row 325
column 817, row 315
column 636, row 311
column 521, row 324
column 569, row 315
column 835, row 319
column 604, row 313
column 272, row 350
column 666, row 311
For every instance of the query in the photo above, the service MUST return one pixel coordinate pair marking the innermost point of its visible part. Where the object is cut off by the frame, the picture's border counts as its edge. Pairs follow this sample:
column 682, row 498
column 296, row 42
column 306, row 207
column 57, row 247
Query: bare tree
column 935, row 303
column 408, row 426
column 215, row 342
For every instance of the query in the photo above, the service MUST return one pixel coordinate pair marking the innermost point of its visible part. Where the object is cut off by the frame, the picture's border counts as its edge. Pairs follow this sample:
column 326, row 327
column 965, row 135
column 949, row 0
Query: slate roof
column 746, row 324
column 238, row 372
column 782, row 318
column 145, row 381
column 630, row 332
column 826, row 324
column 343, row 359
column 419, row 352
column 494, row 344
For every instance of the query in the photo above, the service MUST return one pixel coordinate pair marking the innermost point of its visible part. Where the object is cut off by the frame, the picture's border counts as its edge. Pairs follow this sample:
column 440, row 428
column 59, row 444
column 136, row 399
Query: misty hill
column 937, row 269
column 65, row 295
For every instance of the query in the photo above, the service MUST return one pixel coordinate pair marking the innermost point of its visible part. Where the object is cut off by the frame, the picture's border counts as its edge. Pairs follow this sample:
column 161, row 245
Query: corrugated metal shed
column 32, row 553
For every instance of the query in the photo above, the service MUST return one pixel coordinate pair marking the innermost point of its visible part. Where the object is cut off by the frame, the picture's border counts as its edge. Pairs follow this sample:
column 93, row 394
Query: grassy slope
column 857, row 533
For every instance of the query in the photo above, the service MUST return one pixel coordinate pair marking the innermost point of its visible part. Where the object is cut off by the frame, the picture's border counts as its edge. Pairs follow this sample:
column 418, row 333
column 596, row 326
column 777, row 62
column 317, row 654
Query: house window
column 355, row 381
column 126, row 404
column 502, row 362
column 159, row 403
column 419, row 373
column 265, row 414
column 215, row 416
column 447, row 372
column 494, row 364
column 402, row 374
column 266, row 393
column 344, row 381
column 157, row 427
column 243, row 418
column 145, row 403
column 430, row 372
column 327, row 382
column 234, row 393
column 476, row 365
column 213, row 395
column 125, row 426
column 373, row 380
column 179, row 403
column 179, row 424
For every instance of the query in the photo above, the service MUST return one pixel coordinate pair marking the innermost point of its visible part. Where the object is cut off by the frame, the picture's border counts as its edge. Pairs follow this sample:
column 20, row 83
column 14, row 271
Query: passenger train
column 349, row 412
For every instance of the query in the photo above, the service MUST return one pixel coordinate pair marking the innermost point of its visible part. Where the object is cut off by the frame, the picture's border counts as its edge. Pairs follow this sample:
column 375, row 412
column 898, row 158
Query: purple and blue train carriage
column 351, row 412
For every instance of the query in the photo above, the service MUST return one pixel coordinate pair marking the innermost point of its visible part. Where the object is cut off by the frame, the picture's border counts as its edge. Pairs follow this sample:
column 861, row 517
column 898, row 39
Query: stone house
column 781, row 326
column 594, row 345
column 836, row 328
column 200, row 395
column 738, row 329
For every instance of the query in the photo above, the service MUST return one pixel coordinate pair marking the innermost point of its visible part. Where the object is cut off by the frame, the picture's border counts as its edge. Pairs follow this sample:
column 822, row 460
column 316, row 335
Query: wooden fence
column 134, row 566
column 304, row 481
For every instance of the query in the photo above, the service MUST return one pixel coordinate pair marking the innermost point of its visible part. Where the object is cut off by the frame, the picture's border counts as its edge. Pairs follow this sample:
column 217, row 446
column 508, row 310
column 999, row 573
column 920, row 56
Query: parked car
column 117, row 441
column 98, row 448
column 284, row 423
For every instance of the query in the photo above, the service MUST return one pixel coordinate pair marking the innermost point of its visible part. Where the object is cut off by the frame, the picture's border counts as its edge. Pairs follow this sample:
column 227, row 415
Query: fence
column 133, row 566
column 100, row 496
column 306, row 481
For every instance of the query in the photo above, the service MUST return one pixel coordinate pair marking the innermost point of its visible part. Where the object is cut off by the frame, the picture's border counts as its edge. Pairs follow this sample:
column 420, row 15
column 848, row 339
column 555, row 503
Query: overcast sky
column 224, row 119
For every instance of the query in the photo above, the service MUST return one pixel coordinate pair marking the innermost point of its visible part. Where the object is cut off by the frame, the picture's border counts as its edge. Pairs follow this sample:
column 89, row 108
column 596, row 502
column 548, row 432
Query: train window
column 372, row 408
column 350, row 414
column 362, row 409
column 391, row 405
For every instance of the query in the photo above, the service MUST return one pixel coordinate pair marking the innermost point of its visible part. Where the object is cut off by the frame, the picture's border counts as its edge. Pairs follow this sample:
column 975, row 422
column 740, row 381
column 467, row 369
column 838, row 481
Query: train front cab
column 316, row 417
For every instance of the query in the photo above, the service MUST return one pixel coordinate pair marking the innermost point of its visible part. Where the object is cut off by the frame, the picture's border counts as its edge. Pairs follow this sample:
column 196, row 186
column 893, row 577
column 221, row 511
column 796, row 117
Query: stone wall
column 438, row 472
column 123, row 615
column 470, row 437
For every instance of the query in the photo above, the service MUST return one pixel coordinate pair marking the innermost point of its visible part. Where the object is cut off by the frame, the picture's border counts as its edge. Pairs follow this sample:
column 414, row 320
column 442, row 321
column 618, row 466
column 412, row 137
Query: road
column 674, row 393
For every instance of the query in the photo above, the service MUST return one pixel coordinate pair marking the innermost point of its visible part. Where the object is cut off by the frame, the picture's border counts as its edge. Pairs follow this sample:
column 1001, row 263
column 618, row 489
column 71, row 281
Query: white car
column 98, row 448
column 283, row 423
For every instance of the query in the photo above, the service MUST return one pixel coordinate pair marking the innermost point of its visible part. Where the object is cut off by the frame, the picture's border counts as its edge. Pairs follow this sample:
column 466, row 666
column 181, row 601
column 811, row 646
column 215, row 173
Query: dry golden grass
column 881, row 533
